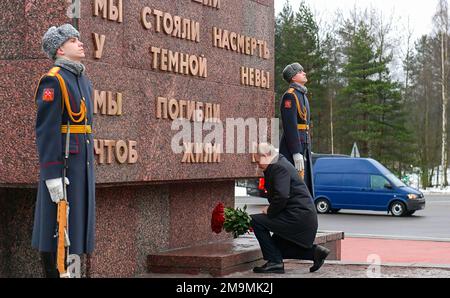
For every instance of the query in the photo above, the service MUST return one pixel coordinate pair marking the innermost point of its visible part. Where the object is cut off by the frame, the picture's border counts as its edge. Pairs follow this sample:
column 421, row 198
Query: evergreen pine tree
column 358, row 98
column 373, row 112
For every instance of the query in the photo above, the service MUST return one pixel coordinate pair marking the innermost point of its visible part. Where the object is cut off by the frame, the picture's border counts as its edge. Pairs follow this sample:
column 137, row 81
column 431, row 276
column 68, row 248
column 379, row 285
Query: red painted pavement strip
column 395, row 251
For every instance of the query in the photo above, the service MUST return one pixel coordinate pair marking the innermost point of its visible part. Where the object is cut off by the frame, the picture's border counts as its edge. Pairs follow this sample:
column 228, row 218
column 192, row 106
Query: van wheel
column 323, row 206
column 398, row 209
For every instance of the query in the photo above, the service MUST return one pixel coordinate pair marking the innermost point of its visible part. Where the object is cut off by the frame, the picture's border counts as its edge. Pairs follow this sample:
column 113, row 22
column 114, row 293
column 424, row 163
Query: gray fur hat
column 291, row 70
column 55, row 37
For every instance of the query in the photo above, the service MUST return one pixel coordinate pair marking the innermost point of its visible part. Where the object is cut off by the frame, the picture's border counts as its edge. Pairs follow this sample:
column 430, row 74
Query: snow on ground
column 240, row 191
column 445, row 190
column 413, row 181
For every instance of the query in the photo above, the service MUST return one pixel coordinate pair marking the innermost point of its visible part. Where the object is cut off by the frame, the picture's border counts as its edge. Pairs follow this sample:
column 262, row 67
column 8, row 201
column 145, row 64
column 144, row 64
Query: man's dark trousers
column 275, row 249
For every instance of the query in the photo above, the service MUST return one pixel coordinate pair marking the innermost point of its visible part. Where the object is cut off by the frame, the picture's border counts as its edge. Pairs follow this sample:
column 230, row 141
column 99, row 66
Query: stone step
column 226, row 257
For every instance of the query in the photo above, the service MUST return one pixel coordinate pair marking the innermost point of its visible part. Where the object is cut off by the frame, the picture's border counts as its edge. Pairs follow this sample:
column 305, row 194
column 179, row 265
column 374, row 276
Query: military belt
column 77, row 129
column 303, row 127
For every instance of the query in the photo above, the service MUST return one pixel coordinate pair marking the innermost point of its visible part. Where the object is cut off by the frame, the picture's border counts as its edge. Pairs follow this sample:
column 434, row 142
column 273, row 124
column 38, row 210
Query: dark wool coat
column 294, row 140
column 51, row 145
column 291, row 213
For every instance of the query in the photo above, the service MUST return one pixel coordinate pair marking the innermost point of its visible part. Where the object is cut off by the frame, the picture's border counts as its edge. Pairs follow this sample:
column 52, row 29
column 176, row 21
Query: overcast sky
column 420, row 13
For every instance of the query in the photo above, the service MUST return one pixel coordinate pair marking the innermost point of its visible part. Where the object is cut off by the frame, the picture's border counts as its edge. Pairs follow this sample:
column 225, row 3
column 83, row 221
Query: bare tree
column 441, row 23
column 407, row 60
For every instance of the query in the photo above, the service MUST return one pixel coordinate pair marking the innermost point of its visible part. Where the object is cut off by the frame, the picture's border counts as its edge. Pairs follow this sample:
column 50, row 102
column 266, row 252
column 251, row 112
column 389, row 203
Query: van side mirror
column 388, row 186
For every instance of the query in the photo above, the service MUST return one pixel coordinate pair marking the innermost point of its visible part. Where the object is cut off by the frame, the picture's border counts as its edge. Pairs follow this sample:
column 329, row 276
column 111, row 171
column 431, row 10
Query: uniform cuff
column 51, row 170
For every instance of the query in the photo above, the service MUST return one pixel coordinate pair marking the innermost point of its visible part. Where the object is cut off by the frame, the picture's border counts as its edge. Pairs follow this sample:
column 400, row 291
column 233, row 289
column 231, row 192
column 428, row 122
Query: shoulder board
column 291, row 90
column 54, row 71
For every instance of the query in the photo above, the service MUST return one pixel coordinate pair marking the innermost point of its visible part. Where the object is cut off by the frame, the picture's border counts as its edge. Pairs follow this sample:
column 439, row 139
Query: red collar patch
column 48, row 94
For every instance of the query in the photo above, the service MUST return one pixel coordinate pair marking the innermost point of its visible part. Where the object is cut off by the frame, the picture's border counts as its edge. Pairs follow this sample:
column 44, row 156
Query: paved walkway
column 395, row 251
column 333, row 269
column 296, row 269
column 398, row 259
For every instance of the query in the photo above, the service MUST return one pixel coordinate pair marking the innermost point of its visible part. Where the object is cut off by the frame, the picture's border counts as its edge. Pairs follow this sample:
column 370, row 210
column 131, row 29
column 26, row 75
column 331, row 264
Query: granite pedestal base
column 131, row 222
column 226, row 257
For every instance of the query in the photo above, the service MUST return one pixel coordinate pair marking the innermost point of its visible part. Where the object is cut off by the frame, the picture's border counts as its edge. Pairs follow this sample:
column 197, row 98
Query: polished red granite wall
column 126, row 67
column 132, row 222
column 190, row 211
column 18, row 259
column 3, row 246
column 22, row 63
column 158, row 203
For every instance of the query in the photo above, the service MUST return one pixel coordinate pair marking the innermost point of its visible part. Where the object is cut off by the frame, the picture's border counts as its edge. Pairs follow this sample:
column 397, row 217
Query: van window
column 378, row 182
column 397, row 182
column 328, row 179
column 354, row 180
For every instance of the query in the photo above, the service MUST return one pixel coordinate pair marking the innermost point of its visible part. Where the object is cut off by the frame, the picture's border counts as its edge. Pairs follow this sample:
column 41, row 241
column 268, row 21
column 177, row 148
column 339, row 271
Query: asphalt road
column 432, row 223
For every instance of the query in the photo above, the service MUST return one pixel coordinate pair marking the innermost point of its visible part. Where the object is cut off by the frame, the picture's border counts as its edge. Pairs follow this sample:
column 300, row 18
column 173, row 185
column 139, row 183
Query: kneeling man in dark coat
column 291, row 216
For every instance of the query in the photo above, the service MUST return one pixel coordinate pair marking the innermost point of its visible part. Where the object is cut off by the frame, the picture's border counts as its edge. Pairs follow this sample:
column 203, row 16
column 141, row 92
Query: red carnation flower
column 218, row 218
column 236, row 221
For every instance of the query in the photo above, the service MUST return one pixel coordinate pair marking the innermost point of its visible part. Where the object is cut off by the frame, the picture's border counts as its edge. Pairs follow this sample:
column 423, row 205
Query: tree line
column 370, row 86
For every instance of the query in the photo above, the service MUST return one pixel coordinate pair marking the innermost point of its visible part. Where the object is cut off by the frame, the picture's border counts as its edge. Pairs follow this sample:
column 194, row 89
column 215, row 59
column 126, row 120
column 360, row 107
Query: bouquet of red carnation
column 236, row 221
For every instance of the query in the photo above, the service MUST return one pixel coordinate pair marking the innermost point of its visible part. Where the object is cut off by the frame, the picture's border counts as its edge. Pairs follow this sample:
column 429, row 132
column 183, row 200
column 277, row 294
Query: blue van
column 362, row 184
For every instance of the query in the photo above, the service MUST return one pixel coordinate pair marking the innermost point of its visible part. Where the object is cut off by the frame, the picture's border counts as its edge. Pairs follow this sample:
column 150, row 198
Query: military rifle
column 63, row 219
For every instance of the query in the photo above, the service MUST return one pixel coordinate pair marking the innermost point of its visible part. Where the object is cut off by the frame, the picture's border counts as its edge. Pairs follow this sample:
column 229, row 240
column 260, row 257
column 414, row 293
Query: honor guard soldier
column 66, row 157
column 295, row 142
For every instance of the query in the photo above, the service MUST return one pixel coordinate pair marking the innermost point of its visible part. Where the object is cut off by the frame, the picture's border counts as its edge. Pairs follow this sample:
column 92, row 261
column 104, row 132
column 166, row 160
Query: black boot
column 49, row 264
column 270, row 267
column 320, row 254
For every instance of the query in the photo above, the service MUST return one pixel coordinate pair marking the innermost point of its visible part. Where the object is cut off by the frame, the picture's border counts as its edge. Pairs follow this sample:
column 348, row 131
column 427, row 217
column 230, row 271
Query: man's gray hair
column 266, row 149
